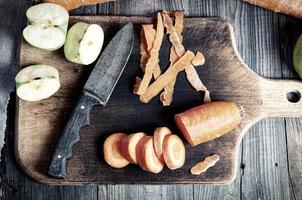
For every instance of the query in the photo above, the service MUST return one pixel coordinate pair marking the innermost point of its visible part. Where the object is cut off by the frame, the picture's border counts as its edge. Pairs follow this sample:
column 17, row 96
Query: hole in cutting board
column 294, row 96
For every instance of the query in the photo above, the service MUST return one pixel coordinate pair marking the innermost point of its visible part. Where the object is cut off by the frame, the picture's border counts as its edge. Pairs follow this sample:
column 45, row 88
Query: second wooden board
column 39, row 125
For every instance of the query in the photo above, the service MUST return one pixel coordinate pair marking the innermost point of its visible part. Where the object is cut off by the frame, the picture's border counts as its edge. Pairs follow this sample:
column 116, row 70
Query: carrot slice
column 166, row 97
column 146, row 157
column 154, row 56
column 140, row 152
column 204, row 165
column 111, row 151
column 128, row 146
column 174, row 152
column 159, row 135
column 167, row 77
column 209, row 121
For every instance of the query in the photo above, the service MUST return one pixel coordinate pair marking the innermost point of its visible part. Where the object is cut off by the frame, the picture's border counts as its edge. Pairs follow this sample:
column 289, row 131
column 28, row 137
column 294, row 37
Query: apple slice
column 128, row 146
column 83, row 43
column 159, row 135
column 37, row 82
column 174, row 152
column 47, row 27
column 111, row 151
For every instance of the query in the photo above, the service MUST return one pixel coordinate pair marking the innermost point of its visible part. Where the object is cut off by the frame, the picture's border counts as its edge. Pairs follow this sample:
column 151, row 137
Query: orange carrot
column 204, row 165
column 128, row 146
column 174, row 152
column 146, row 157
column 147, row 38
column 73, row 4
column 191, row 73
column 158, row 139
column 289, row 7
column 167, row 77
column 112, row 151
column 166, row 97
column 153, row 59
column 209, row 121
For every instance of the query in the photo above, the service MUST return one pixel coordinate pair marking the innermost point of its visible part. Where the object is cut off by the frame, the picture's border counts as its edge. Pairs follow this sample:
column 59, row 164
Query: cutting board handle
column 281, row 98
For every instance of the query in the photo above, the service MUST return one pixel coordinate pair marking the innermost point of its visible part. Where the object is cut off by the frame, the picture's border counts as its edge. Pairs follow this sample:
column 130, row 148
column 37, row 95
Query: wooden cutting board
column 39, row 125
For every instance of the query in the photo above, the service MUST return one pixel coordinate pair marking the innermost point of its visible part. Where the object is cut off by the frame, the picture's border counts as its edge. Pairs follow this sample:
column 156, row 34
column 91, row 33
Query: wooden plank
column 224, row 9
column 264, row 156
column 293, row 125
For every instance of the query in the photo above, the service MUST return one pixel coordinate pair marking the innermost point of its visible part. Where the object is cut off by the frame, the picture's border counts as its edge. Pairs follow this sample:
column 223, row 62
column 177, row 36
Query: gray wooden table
column 271, row 161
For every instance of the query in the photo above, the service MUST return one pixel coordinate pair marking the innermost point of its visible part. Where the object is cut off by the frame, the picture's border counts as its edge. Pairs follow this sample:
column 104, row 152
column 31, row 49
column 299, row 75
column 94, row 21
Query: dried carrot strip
column 204, row 165
column 167, row 77
column 143, row 50
column 147, row 39
column 166, row 97
column 191, row 72
column 154, row 56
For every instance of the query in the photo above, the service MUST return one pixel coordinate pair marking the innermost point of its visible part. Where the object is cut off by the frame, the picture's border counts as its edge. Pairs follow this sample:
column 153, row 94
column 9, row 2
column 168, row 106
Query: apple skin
column 83, row 43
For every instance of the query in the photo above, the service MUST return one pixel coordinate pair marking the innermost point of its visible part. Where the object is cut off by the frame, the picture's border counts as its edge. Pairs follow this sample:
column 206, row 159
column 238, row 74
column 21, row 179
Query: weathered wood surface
column 213, row 37
column 245, row 18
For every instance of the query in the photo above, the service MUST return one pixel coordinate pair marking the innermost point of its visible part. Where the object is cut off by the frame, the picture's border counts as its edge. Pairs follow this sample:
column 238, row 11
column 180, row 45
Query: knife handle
column 71, row 135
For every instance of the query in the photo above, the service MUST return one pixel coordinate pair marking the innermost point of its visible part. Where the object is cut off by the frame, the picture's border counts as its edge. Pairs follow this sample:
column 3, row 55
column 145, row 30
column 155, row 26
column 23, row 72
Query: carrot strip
column 154, row 56
column 73, row 4
column 191, row 73
column 169, row 76
column 166, row 97
column 148, row 34
column 143, row 50
column 204, row 165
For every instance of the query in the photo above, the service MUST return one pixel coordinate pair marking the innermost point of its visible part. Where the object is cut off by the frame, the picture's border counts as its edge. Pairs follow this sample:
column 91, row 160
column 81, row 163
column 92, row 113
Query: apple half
column 37, row 82
column 47, row 27
column 83, row 43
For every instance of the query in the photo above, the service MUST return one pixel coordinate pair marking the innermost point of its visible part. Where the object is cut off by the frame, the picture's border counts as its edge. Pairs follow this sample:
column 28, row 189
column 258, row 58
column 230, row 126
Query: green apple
column 37, row 82
column 83, row 43
column 47, row 27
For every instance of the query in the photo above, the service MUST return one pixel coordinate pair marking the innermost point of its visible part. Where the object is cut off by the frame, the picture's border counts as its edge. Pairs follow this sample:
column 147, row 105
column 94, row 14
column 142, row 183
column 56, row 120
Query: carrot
column 73, row 4
column 147, row 38
column 174, row 152
column 191, row 73
column 204, row 165
column 111, row 151
column 166, row 97
column 289, row 7
column 209, row 121
column 153, row 59
column 167, row 77
column 159, row 135
column 128, row 146
column 146, row 157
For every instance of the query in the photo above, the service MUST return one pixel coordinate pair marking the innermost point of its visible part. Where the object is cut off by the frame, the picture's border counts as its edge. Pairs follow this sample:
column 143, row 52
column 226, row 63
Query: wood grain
column 255, row 94
column 243, row 16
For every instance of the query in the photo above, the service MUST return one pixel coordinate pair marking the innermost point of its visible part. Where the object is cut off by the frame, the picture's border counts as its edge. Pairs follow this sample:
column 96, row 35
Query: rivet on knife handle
column 71, row 135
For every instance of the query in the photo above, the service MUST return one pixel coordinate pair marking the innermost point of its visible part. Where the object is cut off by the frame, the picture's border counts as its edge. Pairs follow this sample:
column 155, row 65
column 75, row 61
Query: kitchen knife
column 97, row 91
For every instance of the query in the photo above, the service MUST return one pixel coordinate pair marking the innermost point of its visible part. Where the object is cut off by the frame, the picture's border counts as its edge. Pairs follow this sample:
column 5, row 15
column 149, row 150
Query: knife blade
column 96, row 91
